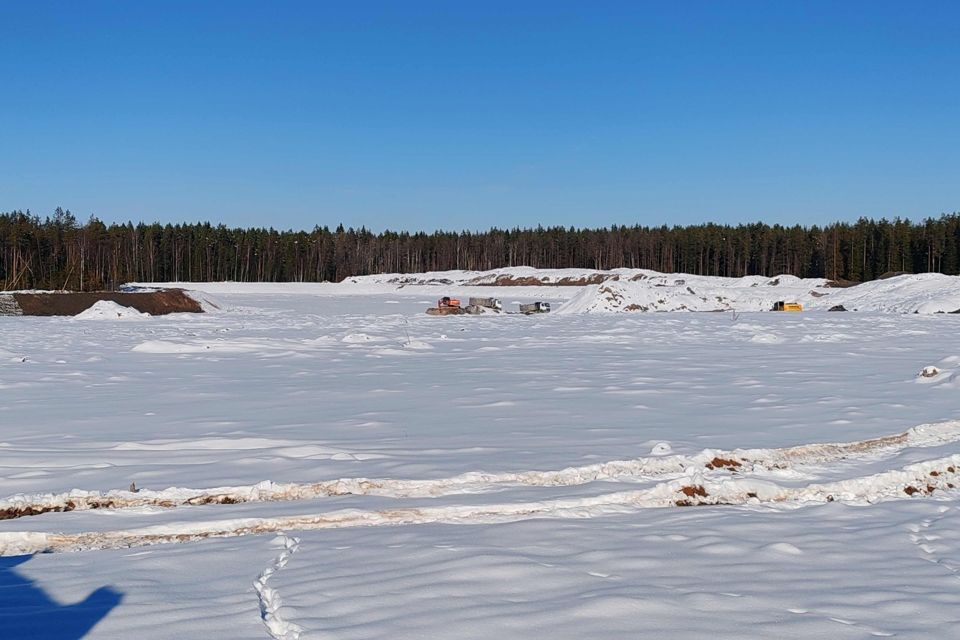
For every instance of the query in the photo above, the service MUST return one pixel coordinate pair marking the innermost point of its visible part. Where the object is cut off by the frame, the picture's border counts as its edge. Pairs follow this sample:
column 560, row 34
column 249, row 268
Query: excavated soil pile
column 507, row 280
column 156, row 303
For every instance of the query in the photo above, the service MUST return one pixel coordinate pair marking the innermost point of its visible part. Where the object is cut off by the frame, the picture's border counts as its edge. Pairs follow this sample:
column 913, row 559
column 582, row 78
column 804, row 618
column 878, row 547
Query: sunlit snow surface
column 301, row 387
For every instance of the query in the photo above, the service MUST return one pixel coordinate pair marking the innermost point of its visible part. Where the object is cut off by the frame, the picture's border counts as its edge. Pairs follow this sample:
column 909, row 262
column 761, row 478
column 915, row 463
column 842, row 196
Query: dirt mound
column 508, row 280
column 156, row 303
column 840, row 283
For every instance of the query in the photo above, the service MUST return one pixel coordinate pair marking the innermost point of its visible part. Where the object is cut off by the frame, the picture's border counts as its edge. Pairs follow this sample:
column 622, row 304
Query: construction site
column 447, row 306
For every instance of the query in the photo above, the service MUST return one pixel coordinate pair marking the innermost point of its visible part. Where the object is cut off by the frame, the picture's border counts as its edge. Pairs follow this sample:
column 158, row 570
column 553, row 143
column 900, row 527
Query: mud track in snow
column 742, row 461
column 910, row 482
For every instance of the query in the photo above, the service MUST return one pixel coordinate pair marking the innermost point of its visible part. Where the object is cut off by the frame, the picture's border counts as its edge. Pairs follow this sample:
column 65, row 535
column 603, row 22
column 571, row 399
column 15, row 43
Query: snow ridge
column 639, row 469
column 271, row 605
column 919, row 479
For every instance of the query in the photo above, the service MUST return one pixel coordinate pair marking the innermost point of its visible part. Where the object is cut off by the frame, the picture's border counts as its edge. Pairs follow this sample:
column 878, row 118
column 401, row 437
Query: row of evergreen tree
column 57, row 252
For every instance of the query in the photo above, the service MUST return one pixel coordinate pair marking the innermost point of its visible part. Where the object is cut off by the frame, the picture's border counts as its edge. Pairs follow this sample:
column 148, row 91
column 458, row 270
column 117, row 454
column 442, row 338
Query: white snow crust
column 327, row 461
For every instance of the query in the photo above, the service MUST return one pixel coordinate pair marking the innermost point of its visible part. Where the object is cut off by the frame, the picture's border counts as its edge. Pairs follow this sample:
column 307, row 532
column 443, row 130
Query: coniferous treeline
column 57, row 252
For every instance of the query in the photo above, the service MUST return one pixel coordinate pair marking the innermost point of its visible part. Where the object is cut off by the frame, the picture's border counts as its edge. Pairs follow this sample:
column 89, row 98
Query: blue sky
column 455, row 115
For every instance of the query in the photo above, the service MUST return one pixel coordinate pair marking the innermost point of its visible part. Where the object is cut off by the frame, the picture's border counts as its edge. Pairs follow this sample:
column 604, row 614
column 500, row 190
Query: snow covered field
column 327, row 461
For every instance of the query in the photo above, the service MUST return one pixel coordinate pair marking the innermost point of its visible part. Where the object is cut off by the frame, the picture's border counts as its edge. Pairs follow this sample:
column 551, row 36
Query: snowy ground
column 523, row 472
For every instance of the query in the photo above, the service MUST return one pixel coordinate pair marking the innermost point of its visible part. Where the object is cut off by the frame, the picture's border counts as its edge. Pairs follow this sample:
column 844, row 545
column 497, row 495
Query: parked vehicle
column 780, row 305
column 489, row 303
column 535, row 307
column 446, row 306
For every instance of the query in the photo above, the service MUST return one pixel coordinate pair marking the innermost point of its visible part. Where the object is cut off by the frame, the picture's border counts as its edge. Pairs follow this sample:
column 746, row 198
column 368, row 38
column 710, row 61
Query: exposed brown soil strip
column 691, row 491
column 11, row 513
column 724, row 463
column 841, row 449
column 155, row 303
column 695, row 490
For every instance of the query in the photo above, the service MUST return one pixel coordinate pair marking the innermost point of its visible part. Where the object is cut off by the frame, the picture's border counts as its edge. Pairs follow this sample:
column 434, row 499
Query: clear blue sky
column 465, row 115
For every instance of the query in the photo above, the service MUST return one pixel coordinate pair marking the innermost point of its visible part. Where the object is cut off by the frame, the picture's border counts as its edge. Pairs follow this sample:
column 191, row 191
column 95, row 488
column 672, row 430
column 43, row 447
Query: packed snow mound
column 533, row 277
column 913, row 293
column 681, row 292
column 612, row 297
column 109, row 310
column 924, row 293
column 617, row 290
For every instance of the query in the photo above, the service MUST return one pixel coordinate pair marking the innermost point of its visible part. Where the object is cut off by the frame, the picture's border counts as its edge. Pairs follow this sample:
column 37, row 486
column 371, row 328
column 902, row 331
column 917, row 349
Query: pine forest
column 58, row 252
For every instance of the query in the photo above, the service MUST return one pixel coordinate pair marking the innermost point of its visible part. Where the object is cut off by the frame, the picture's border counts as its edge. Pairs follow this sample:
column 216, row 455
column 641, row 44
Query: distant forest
column 58, row 252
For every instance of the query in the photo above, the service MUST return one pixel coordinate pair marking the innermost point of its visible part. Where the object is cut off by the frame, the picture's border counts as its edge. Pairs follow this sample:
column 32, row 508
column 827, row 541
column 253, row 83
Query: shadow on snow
column 26, row 611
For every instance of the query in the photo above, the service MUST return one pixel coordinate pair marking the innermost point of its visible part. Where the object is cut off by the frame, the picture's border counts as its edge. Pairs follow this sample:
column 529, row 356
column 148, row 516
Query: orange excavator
column 446, row 306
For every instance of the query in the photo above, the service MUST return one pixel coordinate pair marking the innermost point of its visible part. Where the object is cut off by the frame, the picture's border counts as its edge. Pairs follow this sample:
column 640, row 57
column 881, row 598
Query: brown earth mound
column 533, row 281
column 156, row 303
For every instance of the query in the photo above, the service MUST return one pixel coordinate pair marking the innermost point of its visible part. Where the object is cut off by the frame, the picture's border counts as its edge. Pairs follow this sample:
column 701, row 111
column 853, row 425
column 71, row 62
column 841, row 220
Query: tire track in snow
column 277, row 626
column 741, row 460
column 921, row 478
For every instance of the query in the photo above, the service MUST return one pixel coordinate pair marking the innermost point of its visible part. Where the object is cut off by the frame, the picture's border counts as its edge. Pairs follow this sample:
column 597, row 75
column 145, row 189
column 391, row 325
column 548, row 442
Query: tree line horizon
column 57, row 252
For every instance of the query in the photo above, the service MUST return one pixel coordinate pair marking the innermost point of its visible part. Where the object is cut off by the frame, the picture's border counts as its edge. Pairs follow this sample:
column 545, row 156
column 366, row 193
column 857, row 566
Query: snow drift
column 919, row 293
column 109, row 310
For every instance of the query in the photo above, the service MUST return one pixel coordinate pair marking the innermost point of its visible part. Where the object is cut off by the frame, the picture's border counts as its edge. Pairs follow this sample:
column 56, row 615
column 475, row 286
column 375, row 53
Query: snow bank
column 108, row 310
column 923, row 478
column 914, row 293
column 661, row 463
column 617, row 290
column 650, row 291
column 919, row 293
